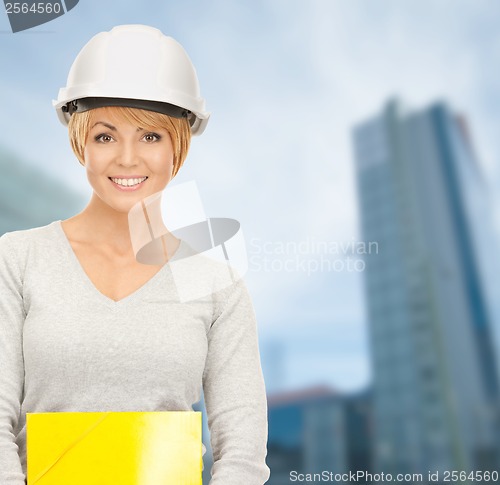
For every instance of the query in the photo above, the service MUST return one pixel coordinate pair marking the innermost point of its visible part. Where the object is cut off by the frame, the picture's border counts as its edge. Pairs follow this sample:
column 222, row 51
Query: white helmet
column 135, row 66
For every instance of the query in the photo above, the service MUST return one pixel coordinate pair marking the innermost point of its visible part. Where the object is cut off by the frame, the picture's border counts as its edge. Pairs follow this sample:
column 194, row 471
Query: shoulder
column 15, row 244
column 203, row 274
column 29, row 234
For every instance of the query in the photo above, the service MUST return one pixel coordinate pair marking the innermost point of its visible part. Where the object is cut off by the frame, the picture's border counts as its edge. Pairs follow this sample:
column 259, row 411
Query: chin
column 119, row 204
column 124, row 208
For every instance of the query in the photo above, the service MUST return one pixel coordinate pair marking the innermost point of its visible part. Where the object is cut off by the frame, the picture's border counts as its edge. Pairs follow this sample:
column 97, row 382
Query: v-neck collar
column 91, row 286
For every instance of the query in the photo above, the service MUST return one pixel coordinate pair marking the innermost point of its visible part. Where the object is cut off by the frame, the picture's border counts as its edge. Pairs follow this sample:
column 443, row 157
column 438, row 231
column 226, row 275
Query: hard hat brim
column 85, row 104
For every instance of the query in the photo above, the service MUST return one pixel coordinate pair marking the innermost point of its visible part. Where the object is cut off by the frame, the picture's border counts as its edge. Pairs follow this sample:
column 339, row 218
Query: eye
column 103, row 138
column 151, row 137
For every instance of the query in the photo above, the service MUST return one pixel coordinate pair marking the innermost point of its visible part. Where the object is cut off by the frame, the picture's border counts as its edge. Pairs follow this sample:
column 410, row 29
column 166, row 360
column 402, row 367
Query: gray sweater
column 64, row 346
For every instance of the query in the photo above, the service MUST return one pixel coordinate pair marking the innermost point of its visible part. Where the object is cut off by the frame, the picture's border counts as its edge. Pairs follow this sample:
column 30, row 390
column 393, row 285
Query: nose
column 128, row 155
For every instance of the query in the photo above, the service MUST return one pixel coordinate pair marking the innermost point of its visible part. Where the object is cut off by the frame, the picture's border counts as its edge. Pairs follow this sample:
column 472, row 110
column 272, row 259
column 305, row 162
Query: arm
column 234, row 393
column 11, row 363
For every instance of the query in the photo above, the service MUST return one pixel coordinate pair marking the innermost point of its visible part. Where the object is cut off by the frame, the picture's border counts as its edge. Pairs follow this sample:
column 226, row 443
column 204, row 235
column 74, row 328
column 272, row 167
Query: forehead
column 125, row 116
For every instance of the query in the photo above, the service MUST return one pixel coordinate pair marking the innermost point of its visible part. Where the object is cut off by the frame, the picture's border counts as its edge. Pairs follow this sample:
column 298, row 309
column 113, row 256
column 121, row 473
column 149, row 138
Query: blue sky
column 285, row 81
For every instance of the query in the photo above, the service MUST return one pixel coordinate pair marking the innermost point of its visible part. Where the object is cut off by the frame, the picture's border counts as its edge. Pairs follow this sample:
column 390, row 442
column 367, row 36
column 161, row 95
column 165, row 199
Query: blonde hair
column 178, row 129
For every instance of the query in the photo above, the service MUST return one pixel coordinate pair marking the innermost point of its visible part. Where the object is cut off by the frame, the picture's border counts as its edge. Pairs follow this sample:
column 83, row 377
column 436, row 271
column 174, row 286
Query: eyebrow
column 108, row 125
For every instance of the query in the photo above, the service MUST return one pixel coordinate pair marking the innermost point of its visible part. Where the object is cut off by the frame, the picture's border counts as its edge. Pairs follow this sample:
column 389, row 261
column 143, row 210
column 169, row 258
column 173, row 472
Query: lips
column 128, row 183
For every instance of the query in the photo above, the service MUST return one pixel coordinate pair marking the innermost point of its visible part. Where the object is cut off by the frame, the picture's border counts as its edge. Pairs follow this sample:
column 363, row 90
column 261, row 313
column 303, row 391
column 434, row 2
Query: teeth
column 128, row 182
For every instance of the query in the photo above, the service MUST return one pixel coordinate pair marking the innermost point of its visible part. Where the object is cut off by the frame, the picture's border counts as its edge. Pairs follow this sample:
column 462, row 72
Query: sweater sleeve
column 11, row 363
column 234, row 392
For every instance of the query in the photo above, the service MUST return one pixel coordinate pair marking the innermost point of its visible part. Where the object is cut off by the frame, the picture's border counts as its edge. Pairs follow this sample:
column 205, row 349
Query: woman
column 83, row 325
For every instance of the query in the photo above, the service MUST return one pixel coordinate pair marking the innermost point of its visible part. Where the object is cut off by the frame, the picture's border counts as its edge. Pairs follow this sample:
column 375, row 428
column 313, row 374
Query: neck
column 102, row 225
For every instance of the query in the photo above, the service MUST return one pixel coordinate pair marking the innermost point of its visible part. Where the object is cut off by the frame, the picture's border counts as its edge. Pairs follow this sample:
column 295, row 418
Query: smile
column 128, row 183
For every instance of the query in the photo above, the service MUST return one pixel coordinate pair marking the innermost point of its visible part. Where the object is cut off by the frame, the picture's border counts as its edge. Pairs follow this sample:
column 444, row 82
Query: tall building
column 436, row 386
column 315, row 430
column 30, row 198
column 273, row 358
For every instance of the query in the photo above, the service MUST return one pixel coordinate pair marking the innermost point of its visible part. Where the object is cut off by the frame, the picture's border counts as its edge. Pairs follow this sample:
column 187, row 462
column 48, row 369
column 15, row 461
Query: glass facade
column 435, row 375
column 30, row 198
column 317, row 430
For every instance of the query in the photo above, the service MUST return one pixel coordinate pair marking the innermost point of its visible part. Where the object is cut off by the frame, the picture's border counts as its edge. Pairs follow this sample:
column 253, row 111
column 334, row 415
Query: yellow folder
column 114, row 448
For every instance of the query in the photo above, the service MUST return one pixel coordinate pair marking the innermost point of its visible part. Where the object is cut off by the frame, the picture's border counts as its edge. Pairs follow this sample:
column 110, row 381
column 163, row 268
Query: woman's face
column 126, row 163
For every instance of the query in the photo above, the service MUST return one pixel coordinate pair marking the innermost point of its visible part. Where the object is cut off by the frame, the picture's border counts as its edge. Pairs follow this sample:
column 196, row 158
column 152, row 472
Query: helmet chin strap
column 85, row 104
